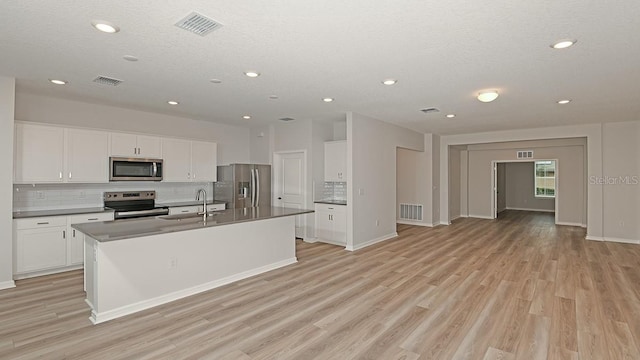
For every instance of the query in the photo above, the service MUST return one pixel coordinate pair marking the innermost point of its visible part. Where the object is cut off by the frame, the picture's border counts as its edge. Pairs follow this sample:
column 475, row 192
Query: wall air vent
column 411, row 212
column 430, row 110
column 525, row 154
column 286, row 119
column 103, row 80
column 198, row 24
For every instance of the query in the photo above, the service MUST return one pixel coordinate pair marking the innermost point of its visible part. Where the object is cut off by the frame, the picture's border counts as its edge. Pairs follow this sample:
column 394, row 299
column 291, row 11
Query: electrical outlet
column 361, row 191
column 40, row 195
column 173, row 262
column 377, row 222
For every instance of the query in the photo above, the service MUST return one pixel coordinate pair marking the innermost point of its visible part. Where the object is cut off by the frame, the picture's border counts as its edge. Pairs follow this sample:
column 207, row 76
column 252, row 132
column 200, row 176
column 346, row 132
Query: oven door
column 131, row 169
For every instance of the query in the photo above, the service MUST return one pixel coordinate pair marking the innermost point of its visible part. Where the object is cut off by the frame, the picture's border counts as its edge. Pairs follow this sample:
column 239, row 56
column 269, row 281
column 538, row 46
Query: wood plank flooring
column 515, row 288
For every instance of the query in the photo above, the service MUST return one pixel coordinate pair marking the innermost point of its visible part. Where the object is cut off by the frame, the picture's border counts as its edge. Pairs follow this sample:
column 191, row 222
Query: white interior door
column 289, row 184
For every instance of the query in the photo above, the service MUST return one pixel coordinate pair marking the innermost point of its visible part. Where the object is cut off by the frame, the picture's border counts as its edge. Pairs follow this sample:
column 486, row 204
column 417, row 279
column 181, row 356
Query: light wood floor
column 516, row 288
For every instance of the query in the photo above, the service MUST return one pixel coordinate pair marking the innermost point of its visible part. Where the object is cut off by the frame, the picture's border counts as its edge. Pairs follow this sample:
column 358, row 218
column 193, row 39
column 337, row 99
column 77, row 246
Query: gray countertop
column 331, row 202
column 133, row 228
column 189, row 203
column 58, row 212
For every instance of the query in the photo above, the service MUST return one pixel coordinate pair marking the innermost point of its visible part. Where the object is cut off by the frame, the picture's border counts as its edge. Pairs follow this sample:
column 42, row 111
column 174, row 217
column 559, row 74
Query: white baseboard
column 331, row 242
column 527, row 209
column 481, row 217
column 47, row 272
column 371, row 242
column 570, row 224
column 310, row 240
column 98, row 318
column 7, row 285
column 612, row 239
column 412, row 222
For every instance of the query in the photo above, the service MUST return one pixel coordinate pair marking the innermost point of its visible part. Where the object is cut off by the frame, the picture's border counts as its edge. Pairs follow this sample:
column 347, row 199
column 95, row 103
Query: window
column 545, row 179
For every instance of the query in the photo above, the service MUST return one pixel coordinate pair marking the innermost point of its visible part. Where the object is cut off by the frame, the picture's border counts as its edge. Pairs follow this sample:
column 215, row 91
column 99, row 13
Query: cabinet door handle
column 74, row 232
column 60, row 175
column 64, row 234
column 188, row 175
column 135, row 151
column 69, row 174
column 185, row 211
column 92, row 219
column 43, row 223
column 194, row 176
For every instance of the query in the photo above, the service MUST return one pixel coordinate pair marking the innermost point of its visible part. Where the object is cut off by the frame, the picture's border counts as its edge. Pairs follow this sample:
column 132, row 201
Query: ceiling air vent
column 103, row 80
column 286, row 119
column 525, row 154
column 430, row 110
column 198, row 24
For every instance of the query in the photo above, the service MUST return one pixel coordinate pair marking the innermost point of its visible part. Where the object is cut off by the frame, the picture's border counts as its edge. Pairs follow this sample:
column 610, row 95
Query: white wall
column 464, row 184
column 411, row 188
column 7, row 101
column 571, row 175
column 233, row 141
column 502, row 186
column 260, row 145
column 371, row 163
column 520, row 188
column 454, row 182
column 621, row 168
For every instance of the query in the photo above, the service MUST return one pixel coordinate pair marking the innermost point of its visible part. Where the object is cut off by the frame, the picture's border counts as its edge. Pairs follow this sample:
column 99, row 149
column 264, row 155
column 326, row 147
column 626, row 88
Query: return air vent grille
column 411, row 212
column 430, row 110
column 198, row 24
column 286, row 119
column 525, row 154
column 103, row 80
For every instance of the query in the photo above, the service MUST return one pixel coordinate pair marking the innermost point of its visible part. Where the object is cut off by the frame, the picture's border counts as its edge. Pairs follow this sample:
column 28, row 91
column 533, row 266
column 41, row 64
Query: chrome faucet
column 204, row 213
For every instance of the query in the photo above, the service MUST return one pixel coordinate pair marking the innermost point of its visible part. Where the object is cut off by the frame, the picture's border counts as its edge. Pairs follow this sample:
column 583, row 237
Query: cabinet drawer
column 86, row 218
column 184, row 210
column 40, row 222
column 340, row 209
column 215, row 207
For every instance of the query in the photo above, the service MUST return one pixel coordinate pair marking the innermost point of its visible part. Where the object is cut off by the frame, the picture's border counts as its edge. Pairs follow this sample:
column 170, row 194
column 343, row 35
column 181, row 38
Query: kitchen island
column 135, row 264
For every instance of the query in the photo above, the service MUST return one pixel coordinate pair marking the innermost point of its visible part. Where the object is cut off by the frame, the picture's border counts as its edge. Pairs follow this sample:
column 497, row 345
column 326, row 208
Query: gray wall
column 520, row 189
column 7, row 101
column 502, row 186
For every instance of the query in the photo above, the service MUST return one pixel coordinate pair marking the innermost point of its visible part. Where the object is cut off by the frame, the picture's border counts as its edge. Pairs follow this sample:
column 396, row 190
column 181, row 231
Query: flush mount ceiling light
column 563, row 44
column 172, row 102
column 59, row 82
column 565, row 101
column 246, row 117
column 488, row 96
column 130, row 58
column 273, row 97
column 327, row 99
column 105, row 26
column 450, row 116
column 389, row 81
column 216, row 81
column 252, row 74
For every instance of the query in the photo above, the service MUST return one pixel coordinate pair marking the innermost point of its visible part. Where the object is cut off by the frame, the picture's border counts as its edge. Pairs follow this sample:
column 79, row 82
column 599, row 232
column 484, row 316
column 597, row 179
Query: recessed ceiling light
column 327, row 99
column 130, row 58
column 451, row 116
column 246, row 117
column 172, row 102
column 59, row 82
column 105, row 26
column 216, row 81
column 252, row 74
column 488, row 96
column 563, row 44
column 565, row 101
column 273, row 97
column 389, row 81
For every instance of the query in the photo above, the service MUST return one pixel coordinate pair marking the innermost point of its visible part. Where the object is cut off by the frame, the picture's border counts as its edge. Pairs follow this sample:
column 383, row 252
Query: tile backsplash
column 66, row 196
column 330, row 190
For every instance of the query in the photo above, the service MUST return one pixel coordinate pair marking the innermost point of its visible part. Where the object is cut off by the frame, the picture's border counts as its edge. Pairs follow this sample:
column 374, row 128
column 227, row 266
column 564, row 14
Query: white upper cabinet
column 186, row 160
column 204, row 161
column 51, row 154
column 39, row 154
column 176, row 156
column 87, row 156
column 131, row 145
column 335, row 161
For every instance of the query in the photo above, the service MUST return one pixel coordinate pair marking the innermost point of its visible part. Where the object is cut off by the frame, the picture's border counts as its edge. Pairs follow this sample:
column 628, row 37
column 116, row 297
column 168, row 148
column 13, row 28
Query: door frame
column 277, row 155
column 494, row 184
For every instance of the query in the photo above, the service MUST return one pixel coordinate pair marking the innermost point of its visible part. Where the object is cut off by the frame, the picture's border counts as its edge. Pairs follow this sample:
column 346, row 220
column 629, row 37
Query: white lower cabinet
column 47, row 245
column 331, row 223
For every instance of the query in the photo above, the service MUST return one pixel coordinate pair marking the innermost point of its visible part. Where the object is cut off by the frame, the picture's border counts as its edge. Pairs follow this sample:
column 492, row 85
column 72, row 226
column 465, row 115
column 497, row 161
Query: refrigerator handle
column 257, row 188
column 252, row 184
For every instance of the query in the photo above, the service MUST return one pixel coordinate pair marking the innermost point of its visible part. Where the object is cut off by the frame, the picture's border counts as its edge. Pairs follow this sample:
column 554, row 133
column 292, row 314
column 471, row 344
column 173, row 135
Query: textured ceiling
column 441, row 52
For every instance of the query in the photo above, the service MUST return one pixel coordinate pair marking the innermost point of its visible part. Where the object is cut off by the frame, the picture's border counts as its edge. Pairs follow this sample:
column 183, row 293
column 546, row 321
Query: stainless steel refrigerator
column 244, row 185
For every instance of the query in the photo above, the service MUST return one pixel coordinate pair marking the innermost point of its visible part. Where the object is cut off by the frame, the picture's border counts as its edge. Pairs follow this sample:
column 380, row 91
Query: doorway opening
column 526, row 185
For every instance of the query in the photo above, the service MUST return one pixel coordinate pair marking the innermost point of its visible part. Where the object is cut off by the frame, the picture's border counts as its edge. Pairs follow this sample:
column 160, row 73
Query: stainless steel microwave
column 132, row 169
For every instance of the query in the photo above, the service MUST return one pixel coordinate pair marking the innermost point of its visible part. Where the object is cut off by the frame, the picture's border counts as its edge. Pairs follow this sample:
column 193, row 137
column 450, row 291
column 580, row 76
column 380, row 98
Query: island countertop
column 133, row 228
